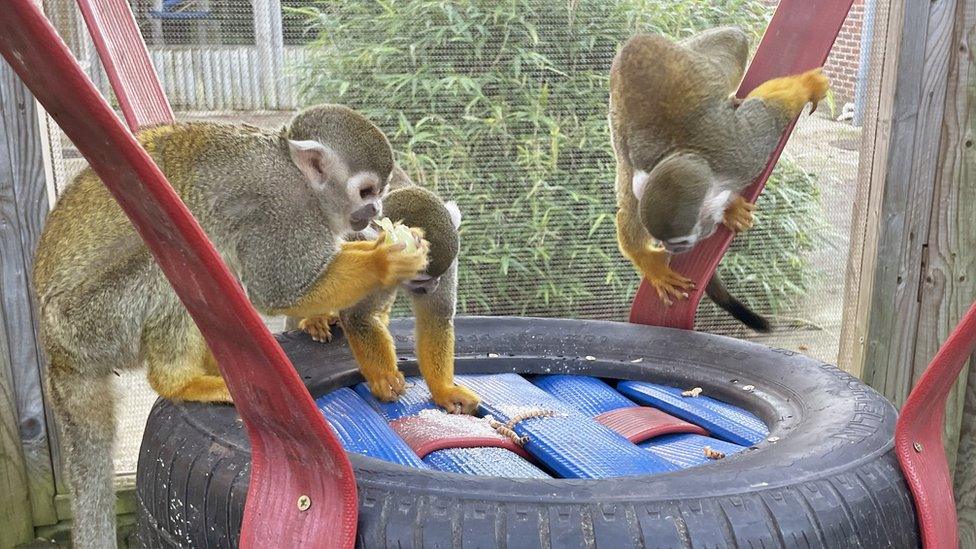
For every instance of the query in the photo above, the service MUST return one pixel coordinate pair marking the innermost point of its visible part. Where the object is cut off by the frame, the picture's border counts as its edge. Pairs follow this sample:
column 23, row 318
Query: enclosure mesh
column 502, row 107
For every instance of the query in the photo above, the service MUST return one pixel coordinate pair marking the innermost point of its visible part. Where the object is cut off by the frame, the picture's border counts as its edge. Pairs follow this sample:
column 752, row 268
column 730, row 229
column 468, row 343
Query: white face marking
column 714, row 206
column 639, row 183
column 363, row 189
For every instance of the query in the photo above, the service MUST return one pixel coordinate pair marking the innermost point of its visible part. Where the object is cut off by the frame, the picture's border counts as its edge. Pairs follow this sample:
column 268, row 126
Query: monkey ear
column 454, row 211
column 639, row 183
column 315, row 160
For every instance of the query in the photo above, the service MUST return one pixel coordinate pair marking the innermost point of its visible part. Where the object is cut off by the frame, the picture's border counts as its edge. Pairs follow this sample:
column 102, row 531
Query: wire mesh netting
column 502, row 107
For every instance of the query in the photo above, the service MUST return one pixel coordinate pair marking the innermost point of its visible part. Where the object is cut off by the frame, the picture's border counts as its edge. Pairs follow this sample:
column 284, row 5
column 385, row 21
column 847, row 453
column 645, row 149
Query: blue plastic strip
column 592, row 396
column 456, row 460
column 571, row 444
column 720, row 419
column 589, row 395
column 414, row 401
column 362, row 430
column 490, row 462
column 686, row 450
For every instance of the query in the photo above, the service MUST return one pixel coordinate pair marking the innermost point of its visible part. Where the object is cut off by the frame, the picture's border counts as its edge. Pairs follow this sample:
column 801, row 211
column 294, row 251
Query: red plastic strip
column 640, row 423
column 123, row 53
column 798, row 39
column 918, row 437
column 425, row 435
column 294, row 452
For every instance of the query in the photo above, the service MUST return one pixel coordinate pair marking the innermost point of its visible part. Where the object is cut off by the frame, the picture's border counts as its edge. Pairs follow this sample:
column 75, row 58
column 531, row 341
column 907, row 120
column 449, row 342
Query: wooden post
column 23, row 209
column 268, row 38
column 875, row 138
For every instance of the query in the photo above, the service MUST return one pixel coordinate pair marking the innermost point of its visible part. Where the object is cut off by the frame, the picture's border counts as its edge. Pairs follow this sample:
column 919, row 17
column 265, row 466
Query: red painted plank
column 918, row 437
column 294, row 452
column 640, row 423
column 123, row 53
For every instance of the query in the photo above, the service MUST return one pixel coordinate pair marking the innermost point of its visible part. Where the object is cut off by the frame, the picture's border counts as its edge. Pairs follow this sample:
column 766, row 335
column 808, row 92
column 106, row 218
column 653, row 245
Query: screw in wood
column 304, row 503
column 917, row 446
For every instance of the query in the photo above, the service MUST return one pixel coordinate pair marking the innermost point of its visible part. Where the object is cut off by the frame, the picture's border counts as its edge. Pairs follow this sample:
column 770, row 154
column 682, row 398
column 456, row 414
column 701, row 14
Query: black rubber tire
column 830, row 480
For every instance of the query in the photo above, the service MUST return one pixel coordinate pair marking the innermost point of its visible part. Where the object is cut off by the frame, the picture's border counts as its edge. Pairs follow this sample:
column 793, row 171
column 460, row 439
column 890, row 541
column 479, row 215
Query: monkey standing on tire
column 686, row 148
column 433, row 297
column 275, row 205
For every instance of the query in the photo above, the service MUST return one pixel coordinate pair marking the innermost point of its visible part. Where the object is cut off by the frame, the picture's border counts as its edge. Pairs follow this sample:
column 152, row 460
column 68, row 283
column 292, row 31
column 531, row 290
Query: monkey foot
column 738, row 215
column 204, row 388
column 319, row 327
column 386, row 386
column 457, row 400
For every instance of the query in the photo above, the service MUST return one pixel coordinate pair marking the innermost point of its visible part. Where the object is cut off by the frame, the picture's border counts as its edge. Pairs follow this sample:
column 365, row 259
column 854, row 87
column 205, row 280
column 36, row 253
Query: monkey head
column 680, row 202
column 417, row 207
column 346, row 159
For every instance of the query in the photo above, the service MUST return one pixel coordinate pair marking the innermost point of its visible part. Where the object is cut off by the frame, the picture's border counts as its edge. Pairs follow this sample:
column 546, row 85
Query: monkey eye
column 367, row 192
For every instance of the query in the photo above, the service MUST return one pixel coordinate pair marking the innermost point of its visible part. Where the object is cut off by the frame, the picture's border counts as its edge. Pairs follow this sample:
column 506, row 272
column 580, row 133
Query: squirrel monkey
column 433, row 295
column 274, row 203
column 686, row 148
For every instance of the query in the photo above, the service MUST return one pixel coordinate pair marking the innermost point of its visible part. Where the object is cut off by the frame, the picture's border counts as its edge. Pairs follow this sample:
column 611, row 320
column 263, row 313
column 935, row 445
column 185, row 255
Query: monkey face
column 347, row 160
column 365, row 192
column 710, row 214
column 680, row 201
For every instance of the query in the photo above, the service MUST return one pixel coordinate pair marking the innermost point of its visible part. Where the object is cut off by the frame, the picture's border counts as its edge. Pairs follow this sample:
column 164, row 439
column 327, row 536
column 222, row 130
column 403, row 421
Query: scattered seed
column 636, row 360
column 590, row 357
column 748, row 387
column 713, row 454
column 772, row 438
column 692, row 393
column 492, row 355
column 803, row 348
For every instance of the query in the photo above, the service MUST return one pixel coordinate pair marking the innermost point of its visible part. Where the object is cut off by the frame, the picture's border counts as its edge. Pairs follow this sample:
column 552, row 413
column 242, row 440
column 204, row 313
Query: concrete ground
column 831, row 150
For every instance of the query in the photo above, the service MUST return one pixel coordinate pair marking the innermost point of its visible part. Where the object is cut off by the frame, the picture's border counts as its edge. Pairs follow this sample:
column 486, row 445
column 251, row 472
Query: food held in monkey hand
column 419, row 208
column 397, row 233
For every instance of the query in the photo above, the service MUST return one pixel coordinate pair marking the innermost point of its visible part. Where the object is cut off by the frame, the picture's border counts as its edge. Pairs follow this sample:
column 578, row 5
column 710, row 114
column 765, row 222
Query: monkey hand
column 319, row 327
column 739, row 215
column 656, row 269
column 816, row 85
column 456, row 399
column 396, row 263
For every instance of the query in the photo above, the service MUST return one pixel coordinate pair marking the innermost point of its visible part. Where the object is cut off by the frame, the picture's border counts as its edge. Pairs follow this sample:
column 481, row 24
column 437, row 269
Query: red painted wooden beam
column 918, row 437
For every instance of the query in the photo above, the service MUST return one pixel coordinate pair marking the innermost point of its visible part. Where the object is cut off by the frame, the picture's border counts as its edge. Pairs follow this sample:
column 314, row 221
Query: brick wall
column 844, row 58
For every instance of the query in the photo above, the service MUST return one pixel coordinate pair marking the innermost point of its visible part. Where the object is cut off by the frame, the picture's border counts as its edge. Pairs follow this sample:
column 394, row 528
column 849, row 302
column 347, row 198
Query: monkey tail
column 720, row 295
column 85, row 408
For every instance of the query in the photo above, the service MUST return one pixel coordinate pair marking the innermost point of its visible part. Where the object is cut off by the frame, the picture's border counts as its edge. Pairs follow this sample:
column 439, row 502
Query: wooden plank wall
column 922, row 273
column 23, row 208
column 919, row 91
column 223, row 78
